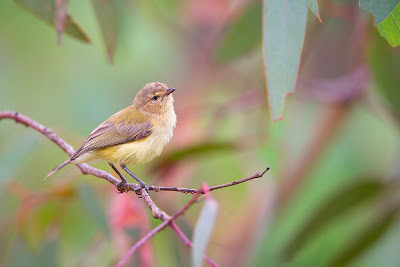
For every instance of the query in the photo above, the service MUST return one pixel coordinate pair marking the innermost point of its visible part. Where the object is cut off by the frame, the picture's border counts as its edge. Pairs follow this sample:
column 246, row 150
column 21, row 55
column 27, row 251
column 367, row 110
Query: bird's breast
column 146, row 149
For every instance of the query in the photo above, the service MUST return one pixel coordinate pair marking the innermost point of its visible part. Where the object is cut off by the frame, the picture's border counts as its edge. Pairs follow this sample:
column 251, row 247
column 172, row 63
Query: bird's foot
column 140, row 187
column 121, row 187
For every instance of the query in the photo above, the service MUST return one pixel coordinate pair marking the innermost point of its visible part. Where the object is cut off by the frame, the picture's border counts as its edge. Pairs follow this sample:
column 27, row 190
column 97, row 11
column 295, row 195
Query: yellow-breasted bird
column 133, row 135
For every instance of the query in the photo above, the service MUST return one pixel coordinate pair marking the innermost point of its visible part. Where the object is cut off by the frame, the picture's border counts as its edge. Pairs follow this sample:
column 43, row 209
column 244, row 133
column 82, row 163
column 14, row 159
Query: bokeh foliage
column 330, row 199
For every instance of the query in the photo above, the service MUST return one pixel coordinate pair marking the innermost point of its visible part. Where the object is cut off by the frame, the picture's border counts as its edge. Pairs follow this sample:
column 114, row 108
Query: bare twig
column 201, row 191
column 157, row 212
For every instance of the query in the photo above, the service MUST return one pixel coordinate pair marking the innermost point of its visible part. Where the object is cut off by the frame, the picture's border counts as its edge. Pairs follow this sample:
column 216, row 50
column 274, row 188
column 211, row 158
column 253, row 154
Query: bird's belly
column 137, row 152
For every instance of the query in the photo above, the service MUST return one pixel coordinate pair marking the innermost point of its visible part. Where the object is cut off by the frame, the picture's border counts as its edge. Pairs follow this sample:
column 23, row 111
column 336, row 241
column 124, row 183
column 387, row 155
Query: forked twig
column 157, row 212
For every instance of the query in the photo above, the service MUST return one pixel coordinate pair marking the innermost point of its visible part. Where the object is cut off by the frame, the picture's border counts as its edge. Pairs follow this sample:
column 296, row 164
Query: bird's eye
column 155, row 98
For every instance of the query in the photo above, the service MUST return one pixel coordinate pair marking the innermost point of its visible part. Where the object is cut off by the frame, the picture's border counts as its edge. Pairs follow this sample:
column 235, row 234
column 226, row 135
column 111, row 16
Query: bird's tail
column 56, row 169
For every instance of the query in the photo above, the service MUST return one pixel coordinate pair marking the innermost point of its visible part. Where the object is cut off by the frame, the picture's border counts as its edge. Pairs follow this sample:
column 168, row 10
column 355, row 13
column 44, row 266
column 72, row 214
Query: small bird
column 134, row 135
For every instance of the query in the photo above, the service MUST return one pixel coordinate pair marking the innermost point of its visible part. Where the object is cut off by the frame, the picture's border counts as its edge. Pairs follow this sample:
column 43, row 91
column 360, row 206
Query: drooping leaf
column 45, row 10
column 203, row 229
column 283, row 36
column 387, row 18
column 106, row 13
column 93, row 208
column 375, row 230
column 243, row 35
column 313, row 5
column 347, row 198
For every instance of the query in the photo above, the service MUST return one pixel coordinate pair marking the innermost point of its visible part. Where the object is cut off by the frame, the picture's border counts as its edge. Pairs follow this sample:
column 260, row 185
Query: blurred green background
column 330, row 198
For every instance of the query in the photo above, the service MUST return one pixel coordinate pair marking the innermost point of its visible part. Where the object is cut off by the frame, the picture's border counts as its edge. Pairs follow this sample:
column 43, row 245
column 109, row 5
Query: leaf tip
column 280, row 115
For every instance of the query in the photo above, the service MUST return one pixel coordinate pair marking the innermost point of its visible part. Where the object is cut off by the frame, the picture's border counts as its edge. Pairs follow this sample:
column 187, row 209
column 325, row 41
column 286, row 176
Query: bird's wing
column 116, row 131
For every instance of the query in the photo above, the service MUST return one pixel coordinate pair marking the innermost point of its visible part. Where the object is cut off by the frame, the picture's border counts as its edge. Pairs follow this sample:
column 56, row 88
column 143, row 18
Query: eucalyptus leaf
column 387, row 18
column 283, row 36
column 379, row 9
column 203, row 229
column 45, row 10
column 313, row 5
column 107, row 16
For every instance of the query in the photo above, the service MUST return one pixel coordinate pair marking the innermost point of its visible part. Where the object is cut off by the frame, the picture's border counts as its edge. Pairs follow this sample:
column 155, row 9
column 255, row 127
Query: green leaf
column 389, row 28
column 242, row 36
column 313, row 5
column 387, row 18
column 375, row 229
column 45, row 10
column 348, row 198
column 93, row 208
column 106, row 13
column 203, row 229
column 380, row 9
column 283, row 36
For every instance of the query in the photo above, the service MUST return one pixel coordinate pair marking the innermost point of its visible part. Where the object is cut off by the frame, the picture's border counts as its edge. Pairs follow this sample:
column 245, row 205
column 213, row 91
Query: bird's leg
column 123, row 180
column 142, row 184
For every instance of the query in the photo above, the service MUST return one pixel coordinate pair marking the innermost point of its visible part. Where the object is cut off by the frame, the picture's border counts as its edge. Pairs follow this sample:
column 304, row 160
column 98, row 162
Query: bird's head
column 154, row 98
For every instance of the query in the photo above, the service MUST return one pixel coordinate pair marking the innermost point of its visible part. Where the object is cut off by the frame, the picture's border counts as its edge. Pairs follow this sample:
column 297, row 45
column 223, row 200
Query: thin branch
column 157, row 212
column 201, row 191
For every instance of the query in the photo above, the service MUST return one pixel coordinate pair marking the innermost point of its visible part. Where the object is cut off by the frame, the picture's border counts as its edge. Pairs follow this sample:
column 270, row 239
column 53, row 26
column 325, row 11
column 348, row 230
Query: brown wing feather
column 123, row 127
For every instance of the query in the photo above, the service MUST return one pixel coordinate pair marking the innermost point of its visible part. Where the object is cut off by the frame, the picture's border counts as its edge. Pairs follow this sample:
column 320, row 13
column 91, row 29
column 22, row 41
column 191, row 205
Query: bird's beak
column 169, row 91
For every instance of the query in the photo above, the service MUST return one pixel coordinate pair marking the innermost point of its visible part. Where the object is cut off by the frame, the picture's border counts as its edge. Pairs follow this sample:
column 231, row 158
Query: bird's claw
column 121, row 187
column 137, row 189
